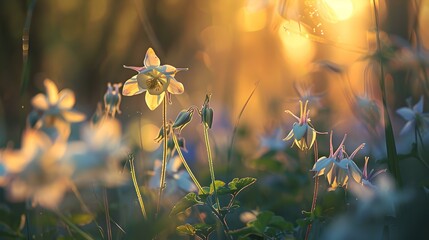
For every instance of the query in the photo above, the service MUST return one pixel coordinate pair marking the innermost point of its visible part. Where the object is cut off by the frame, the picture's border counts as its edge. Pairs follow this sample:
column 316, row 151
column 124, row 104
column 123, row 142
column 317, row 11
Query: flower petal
column 40, row 102
column 151, row 60
column 311, row 137
column 419, row 106
column 66, row 99
column 175, row 87
column 72, row 116
column 320, row 166
column 299, row 130
column 406, row 113
column 51, row 91
column 354, row 171
column 131, row 87
column 138, row 69
column 153, row 101
column 289, row 136
column 409, row 127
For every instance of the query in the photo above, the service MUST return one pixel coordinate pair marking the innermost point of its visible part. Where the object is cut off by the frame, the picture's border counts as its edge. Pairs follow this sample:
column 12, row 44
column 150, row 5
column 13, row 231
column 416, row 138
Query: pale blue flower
column 414, row 116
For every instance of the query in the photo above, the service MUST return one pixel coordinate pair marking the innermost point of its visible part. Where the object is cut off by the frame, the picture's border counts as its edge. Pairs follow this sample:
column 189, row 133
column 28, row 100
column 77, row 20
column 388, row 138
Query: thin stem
column 85, row 207
column 79, row 198
column 106, row 209
column 392, row 162
column 210, row 159
column 73, row 226
column 234, row 132
column 185, row 164
column 222, row 221
column 164, row 155
column 315, row 190
column 136, row 187
column 417, row 133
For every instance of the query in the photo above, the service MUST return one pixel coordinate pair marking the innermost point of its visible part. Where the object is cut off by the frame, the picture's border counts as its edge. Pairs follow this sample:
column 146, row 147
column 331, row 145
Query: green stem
column 210, row 159
column 164, row 155
column 73, row 226
column 185, row 164
column 315, row 190
column 392, row 162
column 107, row 212
column 136, row 186
column 222, row 221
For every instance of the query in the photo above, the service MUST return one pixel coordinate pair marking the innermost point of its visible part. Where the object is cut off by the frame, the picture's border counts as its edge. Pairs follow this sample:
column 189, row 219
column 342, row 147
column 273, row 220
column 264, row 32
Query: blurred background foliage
column 231, row 47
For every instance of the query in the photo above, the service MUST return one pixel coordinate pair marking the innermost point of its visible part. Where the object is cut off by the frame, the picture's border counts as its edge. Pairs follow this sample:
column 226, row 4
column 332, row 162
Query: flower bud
column 207, row 113
column 112, row 99
column 183, row 118
column 161, row 133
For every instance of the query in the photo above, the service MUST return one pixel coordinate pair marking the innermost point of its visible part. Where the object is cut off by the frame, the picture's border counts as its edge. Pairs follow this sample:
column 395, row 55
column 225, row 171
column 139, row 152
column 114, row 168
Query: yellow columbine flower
column 155, row 79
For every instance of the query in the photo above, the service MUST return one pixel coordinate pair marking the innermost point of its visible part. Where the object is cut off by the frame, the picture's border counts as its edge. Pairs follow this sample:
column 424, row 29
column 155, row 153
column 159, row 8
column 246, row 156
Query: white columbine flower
column 155, row 79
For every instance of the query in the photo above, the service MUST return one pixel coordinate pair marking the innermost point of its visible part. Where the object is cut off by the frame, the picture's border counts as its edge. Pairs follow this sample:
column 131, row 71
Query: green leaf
column 280, row 223
column 186, row 229
column 7, row 233
column 262, row 221
column 238, row 184
column 186, row 202
column 218, row 184
column 203, row 230
column 82, row 218
column 243, row 232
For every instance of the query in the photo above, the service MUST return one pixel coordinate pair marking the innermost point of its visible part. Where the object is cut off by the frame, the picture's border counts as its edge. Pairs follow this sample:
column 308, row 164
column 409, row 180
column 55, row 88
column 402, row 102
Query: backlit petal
column 66, row 99
column 151, row 60
column 72, row 116
column 51, row 91
column 408, row 128
column 40, row 102
column 355, row 172
column 138, row 69
column 406, row 113
column 131, row 87
column 153, row 101
column 175, row 87
column 299, row 130
column 419, row 106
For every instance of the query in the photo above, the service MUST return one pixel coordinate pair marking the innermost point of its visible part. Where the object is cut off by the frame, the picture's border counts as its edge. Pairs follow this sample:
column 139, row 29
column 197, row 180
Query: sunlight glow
column 335, row 10
column 250, row 20
column 296, row 43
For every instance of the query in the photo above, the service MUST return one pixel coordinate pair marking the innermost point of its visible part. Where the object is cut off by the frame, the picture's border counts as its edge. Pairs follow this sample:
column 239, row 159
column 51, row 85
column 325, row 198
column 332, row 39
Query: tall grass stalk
column 185, row 164
column 73, row 226
column 392, row 157
column 136, row 187
column 107, row 213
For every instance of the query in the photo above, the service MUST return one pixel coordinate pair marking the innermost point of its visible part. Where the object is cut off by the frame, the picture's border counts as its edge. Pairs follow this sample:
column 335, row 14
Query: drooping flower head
column 157, row 80
column 338, row 167
column 303, row 132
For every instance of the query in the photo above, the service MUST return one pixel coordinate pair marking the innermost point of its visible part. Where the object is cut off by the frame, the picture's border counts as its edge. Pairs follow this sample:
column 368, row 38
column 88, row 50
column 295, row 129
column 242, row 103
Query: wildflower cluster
column 47, row 165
